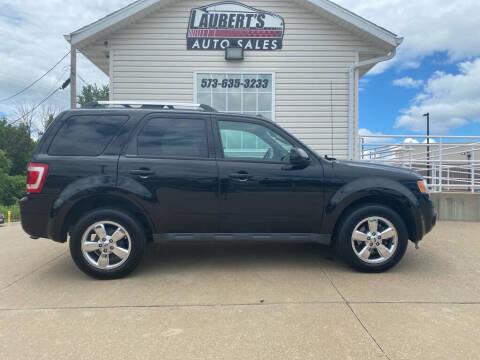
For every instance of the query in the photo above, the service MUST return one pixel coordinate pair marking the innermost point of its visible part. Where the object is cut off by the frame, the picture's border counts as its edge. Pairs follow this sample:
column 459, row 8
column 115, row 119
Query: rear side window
column 86, row 135
column 162, row 137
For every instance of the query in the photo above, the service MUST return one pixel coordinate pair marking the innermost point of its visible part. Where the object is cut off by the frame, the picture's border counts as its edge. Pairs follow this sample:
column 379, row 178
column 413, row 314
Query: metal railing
column 448, row 163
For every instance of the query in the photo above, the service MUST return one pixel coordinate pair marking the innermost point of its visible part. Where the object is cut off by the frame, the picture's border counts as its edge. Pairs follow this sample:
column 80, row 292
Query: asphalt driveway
column 243, row 301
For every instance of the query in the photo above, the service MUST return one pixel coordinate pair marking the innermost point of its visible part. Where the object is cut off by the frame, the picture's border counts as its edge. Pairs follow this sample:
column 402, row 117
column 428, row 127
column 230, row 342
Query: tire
column 117, row 255
column 367, row 252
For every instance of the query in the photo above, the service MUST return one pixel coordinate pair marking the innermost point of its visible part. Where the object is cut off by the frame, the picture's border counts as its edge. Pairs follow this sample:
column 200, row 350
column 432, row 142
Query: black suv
column 114, row 179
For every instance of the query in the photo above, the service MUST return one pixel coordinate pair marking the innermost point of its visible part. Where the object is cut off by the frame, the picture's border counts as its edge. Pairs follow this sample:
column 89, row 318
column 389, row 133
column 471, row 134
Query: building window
column 250, row 94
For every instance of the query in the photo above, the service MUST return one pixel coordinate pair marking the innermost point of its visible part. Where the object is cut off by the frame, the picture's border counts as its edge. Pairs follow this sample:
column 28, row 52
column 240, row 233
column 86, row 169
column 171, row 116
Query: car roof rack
column 150, row 105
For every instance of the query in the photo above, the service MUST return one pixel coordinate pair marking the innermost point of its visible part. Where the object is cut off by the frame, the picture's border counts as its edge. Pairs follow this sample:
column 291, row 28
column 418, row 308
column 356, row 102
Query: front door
column 170, row 165
column 260, row 192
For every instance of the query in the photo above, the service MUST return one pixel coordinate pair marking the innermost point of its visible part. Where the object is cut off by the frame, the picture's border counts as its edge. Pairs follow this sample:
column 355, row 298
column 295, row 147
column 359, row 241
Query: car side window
column 250, row 141
column 86, row 135
column 163, row 137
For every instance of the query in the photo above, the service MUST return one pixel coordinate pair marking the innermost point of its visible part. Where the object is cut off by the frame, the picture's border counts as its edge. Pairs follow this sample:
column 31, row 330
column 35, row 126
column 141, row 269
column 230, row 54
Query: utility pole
column 73, row 77
column 427, row 115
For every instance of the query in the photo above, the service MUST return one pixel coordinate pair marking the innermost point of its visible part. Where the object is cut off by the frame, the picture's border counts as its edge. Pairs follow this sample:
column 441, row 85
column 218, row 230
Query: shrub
column 12, row 188
column 15, row 209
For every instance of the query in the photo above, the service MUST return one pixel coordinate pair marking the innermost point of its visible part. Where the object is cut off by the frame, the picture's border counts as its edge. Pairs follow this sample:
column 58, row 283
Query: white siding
column 149, row 61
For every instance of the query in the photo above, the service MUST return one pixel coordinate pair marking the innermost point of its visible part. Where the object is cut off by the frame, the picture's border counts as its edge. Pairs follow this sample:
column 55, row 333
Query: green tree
column 18, row 146
column 12, row 188
column 5, row 163
column 92, row 93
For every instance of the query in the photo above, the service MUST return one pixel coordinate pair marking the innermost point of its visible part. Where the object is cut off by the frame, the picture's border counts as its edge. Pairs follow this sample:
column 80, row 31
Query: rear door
column 170, row 160
column 260, row 192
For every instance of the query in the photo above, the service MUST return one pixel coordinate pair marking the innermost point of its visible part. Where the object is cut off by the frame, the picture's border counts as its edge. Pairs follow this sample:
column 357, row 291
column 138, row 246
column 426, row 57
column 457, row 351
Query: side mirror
column 298, row 156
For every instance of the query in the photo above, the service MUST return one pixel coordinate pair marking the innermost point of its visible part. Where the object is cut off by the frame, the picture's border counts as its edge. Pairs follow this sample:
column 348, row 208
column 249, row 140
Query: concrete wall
column 457, row 206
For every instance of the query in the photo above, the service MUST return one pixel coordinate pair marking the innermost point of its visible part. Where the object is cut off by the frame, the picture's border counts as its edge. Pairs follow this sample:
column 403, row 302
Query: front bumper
column 428, row 216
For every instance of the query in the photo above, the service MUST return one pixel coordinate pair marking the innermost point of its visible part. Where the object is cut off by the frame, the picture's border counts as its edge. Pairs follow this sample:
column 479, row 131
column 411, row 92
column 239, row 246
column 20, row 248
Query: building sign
column 232, row 24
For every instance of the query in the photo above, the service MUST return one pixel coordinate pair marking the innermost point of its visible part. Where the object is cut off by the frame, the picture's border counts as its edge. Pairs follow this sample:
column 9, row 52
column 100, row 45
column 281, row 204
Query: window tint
column 86, row 135
column 244, row 140
column 173, row 138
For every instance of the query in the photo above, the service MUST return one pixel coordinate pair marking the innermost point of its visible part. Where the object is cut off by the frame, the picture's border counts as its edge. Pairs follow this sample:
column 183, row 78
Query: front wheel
column 372, row 238
column 107, row 243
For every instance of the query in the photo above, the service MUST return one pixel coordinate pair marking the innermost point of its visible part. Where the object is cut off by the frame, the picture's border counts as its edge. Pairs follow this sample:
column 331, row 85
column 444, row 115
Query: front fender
column 364, row 188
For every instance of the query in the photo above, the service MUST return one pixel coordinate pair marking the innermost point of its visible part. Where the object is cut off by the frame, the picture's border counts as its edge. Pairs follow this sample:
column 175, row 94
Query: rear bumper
column 35, row 215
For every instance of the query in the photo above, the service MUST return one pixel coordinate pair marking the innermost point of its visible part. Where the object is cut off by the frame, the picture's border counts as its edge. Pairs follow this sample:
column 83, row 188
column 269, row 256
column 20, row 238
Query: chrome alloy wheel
column 106, row 245
column 374, row 240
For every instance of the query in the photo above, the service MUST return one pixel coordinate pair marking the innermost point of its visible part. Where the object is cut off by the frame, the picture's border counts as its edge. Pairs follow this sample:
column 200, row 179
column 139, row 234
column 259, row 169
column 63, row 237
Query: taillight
column 36, row 175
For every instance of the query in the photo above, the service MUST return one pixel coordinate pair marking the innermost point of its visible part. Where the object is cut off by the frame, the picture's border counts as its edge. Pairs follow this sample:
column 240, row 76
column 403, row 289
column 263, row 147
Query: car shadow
column 265, row 256
column 190, row 258
column 234, row 256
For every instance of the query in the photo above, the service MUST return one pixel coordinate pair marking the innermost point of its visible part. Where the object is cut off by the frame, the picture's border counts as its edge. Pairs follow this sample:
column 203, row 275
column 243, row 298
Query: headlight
column 422, row 186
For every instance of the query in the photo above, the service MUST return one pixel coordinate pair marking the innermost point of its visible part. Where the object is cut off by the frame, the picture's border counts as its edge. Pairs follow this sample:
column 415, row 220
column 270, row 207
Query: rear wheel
column 107, row 243
column 372, row 238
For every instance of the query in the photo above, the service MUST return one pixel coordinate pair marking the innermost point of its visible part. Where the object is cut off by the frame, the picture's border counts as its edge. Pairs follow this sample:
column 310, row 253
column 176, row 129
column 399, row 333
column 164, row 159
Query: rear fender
column 92, row 188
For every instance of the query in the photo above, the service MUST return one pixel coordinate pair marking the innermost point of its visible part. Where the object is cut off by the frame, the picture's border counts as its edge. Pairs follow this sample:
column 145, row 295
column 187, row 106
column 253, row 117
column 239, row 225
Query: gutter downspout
column 351, row 93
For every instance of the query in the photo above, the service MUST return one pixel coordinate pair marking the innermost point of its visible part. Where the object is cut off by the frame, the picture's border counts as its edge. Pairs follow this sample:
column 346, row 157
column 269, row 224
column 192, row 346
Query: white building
column 301, row 60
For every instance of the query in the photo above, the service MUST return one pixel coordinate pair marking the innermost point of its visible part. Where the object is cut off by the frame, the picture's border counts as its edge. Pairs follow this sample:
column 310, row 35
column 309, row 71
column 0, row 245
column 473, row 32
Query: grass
column 15, row 209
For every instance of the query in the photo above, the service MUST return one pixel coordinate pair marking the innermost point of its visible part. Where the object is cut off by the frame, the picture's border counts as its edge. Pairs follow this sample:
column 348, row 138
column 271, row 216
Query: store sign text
column 234, row 83
column 232, row 24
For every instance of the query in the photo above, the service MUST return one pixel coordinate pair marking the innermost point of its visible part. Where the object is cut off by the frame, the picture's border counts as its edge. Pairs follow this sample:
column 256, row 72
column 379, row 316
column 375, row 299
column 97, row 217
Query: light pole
column 427, row 115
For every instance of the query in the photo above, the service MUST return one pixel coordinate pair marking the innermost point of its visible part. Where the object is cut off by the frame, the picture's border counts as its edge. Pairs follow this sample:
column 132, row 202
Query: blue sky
column 381, row 101
column 437, row 68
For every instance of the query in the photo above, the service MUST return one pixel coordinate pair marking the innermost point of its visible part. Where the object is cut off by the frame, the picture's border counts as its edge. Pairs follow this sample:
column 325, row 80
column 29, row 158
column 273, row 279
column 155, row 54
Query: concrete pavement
column 237, row 301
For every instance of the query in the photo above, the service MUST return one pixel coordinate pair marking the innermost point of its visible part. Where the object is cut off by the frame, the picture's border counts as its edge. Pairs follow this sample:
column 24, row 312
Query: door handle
column 240, row 176
column 143, row 173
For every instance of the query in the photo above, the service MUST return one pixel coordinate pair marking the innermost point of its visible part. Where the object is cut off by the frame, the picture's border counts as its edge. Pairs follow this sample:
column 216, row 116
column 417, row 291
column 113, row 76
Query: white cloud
column 363, row 83
column 451, row 99
column 32, row 42
column 367, row 132
column 408, row 82
column 32, row 38
column 428, row 26
column 374, row 140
